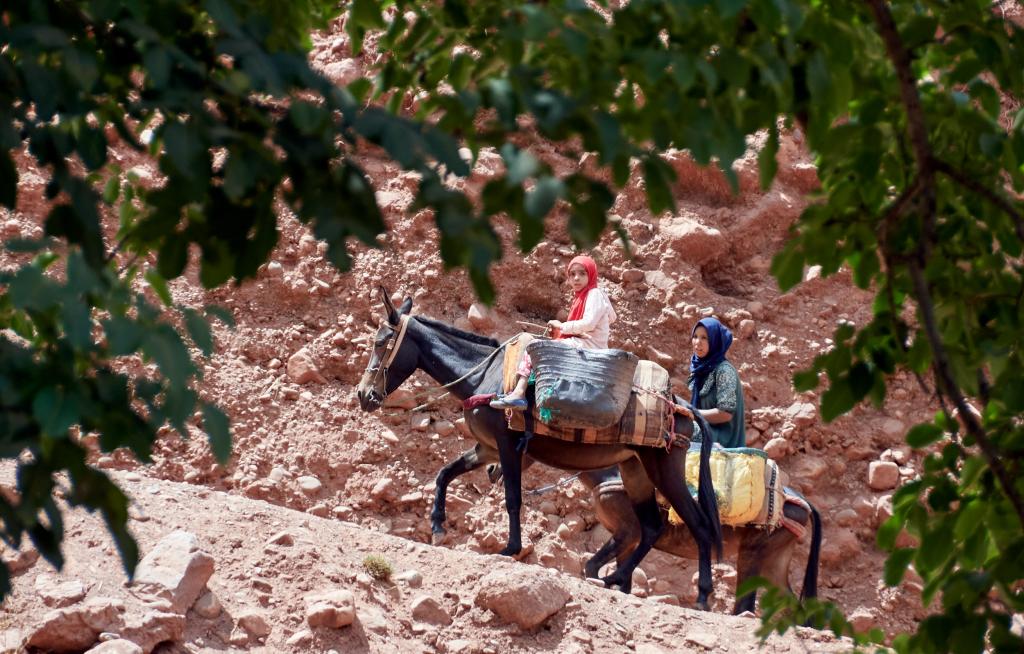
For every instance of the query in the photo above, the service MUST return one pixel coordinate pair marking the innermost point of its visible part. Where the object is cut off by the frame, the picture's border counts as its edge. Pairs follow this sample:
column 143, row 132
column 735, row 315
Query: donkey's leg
column 511, row 460
column 666, row 470
column 494, row 469
column 615, row 511
column 648, row 520
column 646, row 517
column 470, row 460
column 769, row 555
column 592, row 568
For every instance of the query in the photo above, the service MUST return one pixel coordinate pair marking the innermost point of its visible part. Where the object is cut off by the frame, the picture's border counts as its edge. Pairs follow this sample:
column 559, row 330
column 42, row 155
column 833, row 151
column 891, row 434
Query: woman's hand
column 555, row 328
column 716, row 416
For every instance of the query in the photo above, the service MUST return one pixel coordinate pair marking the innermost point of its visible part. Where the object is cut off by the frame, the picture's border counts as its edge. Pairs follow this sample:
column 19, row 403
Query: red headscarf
column 580, row 301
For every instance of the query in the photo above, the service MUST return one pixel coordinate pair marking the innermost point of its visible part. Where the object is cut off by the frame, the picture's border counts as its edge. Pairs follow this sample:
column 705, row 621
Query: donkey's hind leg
column 635, row 505
column 615, row 511
column 648, row 518
column 470, row 460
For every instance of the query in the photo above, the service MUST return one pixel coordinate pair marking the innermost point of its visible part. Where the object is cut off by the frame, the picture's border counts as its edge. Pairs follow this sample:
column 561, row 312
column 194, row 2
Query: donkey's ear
column 406, row 306
column 389, row 308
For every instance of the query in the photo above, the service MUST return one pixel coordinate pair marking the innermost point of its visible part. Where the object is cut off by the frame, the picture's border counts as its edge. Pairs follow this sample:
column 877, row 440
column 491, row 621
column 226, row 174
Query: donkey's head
column 392, row 359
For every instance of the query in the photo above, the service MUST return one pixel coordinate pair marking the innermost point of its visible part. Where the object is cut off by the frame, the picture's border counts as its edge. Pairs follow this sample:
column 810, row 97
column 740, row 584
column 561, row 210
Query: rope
column 486, row 360
column 673, row 407
column 550, row 487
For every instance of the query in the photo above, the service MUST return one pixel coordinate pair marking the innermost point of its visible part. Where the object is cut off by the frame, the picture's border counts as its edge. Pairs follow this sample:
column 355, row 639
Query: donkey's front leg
column 470, row 460
column 666, row 470
column 512, row 474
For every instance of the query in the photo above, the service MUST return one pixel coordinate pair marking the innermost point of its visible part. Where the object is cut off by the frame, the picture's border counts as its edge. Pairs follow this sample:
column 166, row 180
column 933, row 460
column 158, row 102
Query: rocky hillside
column 279, row 535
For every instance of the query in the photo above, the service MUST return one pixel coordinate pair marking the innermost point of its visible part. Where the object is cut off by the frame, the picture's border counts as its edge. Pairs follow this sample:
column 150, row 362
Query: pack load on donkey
column 580, row 388
column 748, row 485
column 631, row 398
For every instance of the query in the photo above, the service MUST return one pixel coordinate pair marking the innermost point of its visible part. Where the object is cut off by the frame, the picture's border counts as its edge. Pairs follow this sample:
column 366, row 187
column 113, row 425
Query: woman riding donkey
column 715, row 385
column 590, row 318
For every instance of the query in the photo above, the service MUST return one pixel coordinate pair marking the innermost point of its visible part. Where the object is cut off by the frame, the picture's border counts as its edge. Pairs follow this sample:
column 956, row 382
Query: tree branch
column 962, row 179
column 926, row 163
column 944, row 376
column 916, row 124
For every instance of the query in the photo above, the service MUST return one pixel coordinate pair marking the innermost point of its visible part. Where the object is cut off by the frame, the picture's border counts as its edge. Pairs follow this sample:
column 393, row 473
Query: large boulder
column 154, row 627
column 175, row 570
column 526, row 598
column 76, row 628
column 332, row 609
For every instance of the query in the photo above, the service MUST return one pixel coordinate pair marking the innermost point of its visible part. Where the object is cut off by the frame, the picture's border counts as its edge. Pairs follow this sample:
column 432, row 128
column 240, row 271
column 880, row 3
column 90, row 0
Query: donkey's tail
column 810, row 588
column 706, row 499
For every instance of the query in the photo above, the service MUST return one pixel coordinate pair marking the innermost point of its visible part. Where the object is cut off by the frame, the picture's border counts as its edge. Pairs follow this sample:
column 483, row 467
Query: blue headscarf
column 719, row 340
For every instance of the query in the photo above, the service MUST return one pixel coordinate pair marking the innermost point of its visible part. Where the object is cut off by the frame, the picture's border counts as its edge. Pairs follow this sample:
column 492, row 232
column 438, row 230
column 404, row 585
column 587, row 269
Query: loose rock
column 526, row 598
column 175, row 570
column 116, row 646
column 254, row 623
column 426, row 609
column 332, row 609
column 302, row 369
column 883, row 475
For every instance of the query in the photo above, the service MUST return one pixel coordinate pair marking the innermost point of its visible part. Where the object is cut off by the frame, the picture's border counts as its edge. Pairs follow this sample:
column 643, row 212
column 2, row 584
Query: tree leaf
column 164, row 345
column 159, row 285
column 92, row 147
column 896, row 565
column 924, row 434
column 837, row 400
column 657, row 178
column 76, row 318
column 221, row 313
column 767, row 163
column 788, row 267
column 199, row 330
column 173, row 256
column 366, row 14
column 218, row 430
column 56, row 410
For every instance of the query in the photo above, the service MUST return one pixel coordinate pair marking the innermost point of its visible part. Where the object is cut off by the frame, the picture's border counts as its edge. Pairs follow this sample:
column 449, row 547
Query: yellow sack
column 747, row 485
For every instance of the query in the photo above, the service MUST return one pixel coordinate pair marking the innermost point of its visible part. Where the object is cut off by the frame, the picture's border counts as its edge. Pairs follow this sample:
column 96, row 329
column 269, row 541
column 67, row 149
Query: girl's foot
column 509, row 402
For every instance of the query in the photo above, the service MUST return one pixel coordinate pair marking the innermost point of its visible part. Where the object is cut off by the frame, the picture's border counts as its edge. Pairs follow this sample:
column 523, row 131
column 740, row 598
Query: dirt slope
column 375, row 471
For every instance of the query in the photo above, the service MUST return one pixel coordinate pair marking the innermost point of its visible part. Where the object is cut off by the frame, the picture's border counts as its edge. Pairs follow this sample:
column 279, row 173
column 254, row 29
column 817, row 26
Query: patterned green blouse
column 722, row 390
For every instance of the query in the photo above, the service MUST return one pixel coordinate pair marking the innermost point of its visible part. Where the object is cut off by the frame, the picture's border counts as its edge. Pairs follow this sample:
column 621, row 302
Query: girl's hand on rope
column 682, row 410
column 554, row 328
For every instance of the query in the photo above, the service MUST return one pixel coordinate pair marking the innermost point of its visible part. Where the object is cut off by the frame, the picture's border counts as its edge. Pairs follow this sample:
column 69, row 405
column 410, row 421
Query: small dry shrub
column 377, row 567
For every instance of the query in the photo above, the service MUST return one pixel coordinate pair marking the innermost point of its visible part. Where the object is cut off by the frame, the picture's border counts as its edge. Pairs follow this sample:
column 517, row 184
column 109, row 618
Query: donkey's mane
column 458, row 333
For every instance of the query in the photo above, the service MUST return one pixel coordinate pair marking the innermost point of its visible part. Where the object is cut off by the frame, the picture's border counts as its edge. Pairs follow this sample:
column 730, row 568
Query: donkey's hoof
column 438, row 537
column 518, row 553
column 494, row 472
column 702, row 606
column 615, row 582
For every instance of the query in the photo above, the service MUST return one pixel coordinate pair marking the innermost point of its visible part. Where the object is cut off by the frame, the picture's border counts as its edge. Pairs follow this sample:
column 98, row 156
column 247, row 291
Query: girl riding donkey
column 590, row 317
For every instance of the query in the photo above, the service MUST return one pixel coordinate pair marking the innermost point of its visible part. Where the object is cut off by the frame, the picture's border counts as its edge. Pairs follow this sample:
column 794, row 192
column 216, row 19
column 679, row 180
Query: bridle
column 388, row 357
column 379, row 372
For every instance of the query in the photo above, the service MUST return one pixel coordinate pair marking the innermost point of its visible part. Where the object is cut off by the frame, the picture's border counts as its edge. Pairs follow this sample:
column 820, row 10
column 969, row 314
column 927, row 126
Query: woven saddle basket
column 581, row 388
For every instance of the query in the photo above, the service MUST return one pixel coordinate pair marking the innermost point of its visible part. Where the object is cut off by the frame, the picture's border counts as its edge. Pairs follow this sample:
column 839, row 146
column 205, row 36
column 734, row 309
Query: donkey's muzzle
column 370, row 400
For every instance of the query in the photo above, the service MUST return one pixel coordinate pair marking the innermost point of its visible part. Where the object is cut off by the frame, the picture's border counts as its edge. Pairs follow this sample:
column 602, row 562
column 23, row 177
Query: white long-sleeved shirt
column 590, row 332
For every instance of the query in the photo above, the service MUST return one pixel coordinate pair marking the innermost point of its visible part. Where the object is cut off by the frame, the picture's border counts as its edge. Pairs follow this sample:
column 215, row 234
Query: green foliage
column 902, row 104
column 780, row 610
